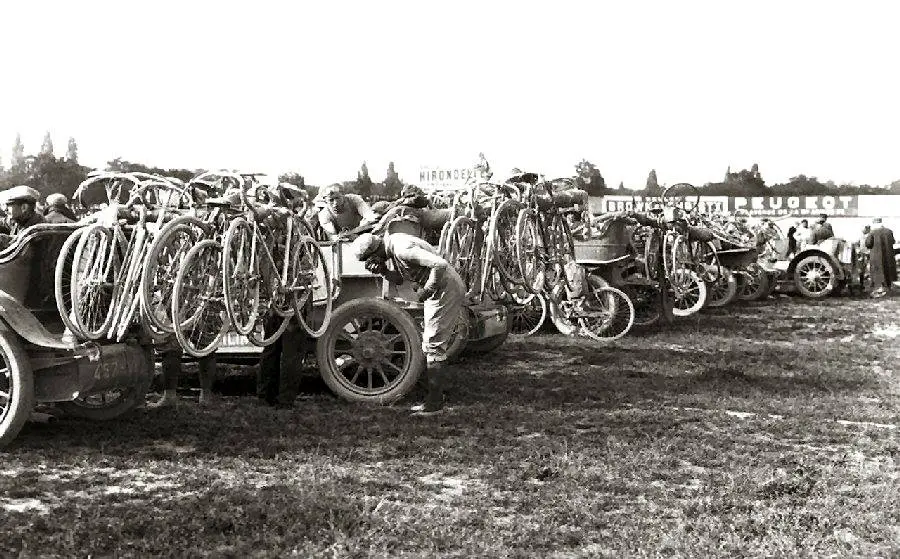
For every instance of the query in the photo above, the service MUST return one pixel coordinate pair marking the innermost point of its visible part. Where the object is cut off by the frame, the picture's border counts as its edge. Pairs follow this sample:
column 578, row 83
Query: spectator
column 803, row 235
column 792, row 241
column 58, row 210
column 171, row 356
column 20, row 207
column 882, row 264
column 822, row 230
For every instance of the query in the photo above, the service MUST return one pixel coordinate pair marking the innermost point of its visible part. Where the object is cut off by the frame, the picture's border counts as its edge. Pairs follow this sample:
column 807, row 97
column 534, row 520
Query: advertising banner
column 800, row 206
column 617, row 203
column 444, row 178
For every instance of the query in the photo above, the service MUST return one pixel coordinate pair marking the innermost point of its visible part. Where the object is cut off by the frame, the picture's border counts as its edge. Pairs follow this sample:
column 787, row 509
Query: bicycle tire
column 62, row 281
column 94, row 326
column 181, row 233
column 302, row 305
column 206, row 281
column 241, row 293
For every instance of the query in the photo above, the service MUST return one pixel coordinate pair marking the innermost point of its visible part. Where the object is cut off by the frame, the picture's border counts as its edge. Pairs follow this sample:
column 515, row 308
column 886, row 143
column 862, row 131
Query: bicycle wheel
column 689, row 292
column 241, row 276
column 707, row 261
column 312, row 296
column 530, row 251
column 95, row 267
column 62, row 283
column 528, row 318
column 610, row 313
column 261, row 337
column 503, row 235
column 129, row 281
column 164, row 259
column 198, row 302
column 561, row 253
column 462, row 249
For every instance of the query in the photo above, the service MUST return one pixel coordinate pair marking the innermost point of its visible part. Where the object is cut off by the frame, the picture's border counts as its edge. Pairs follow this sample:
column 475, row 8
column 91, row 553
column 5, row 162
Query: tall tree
column 754, row 170
column 47, row 146
column 363, row 181
column 588, row 178
column 652, row 188
column 392, row 182
column 18, row 153
column 72, row 151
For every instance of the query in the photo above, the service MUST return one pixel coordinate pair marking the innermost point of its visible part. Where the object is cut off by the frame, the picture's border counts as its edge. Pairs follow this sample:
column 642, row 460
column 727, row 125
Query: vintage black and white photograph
column 449, row 279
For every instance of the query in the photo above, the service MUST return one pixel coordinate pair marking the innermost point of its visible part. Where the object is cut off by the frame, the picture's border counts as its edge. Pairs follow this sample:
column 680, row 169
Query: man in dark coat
column 822, row 230
column 58, row 210
column 882, row 266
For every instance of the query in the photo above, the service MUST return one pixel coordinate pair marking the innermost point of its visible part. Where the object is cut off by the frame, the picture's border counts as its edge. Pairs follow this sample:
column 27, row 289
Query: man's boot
column 169, row 399
column 434, row 401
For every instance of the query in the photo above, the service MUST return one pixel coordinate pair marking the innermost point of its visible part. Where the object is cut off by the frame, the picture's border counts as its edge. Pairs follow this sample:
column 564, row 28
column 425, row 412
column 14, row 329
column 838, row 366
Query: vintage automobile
column 815, row 271
column 97, row 381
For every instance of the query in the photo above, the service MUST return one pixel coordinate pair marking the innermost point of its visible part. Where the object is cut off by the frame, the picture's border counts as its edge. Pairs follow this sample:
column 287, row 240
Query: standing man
column 58, row 210
column 882, row 265
column 281, row 364
column 822, row 231
column 441, row 290
column 803, row 234
column 171, row 355
column 343, row 212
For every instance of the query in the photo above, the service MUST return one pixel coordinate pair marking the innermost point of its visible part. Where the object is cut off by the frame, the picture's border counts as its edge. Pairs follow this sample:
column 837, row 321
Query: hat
column 57, row 199
column 823, row 216
column 328, row 190
column 20, row 193
column 410, row 190
column 876, row 220
column 365, row 245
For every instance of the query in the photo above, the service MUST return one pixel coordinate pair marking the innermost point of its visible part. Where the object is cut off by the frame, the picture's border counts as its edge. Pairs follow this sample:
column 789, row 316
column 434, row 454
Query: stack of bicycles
column 220, row 253
column 514, row 246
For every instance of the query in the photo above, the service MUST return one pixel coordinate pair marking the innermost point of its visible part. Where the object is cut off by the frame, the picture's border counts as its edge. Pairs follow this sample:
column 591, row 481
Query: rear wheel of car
column 16, row 388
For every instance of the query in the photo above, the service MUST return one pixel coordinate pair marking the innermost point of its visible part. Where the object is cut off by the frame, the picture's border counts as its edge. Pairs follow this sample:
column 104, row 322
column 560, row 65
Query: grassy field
column 760, row 430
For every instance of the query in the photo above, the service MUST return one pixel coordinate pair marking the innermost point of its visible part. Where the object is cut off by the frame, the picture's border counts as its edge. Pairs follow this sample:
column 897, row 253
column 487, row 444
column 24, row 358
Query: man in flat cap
column 441, row 290
column 20, row 202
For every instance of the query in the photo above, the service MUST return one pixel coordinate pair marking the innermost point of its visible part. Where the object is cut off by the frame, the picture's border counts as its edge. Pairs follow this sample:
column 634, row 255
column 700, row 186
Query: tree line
column 48, row 174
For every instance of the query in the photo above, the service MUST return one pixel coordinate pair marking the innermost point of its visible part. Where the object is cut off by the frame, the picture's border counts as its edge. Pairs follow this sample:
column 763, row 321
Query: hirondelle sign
column 437, row 178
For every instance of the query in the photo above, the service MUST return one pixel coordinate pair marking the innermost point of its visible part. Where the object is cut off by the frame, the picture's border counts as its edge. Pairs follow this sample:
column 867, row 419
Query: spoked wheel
column 16, row 388
column 563, row 251
column 198, row 301
column 755, row 285
column 503, row 235
column 95, row 268
column 462, row 249
column 815, row 276
column 707, row 261
column 241, row 273
column 688, row 292
column 723, row 291
column 528, row 318
column 312, row 290
column 607, row 312
column 164, row 259
column 63, row 282
column 371, row 352
column 530, row 251
column 645, row 299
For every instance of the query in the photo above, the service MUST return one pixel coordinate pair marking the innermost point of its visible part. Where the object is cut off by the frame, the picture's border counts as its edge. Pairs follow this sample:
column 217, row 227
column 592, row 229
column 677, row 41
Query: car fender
column 16, row 317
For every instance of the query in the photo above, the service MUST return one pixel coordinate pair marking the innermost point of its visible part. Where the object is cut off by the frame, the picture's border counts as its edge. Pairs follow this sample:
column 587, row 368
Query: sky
column 688, row 88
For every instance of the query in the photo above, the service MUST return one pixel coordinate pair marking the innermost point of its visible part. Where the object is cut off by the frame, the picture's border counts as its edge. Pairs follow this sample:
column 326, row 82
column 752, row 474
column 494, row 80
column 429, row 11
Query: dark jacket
column 882, row 264
column 59, row 215
column 821, row 232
